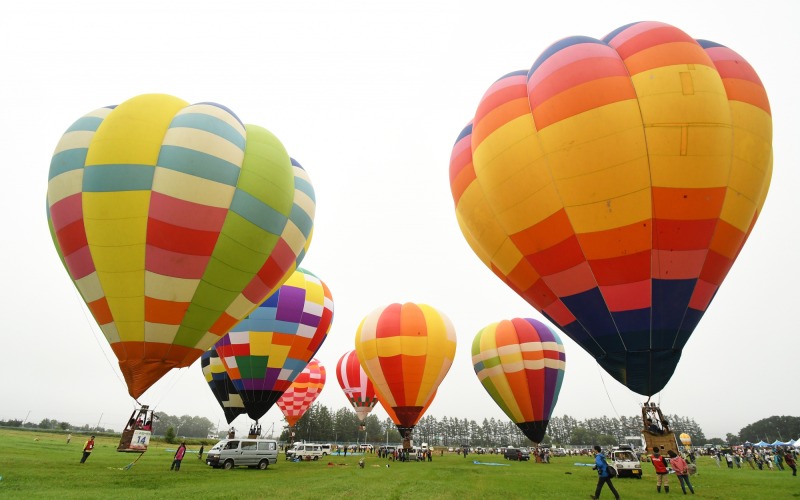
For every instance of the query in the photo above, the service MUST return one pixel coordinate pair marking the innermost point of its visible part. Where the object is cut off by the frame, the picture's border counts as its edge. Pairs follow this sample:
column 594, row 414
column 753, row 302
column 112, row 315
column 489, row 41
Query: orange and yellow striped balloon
column 614, row 184
column 406, row 350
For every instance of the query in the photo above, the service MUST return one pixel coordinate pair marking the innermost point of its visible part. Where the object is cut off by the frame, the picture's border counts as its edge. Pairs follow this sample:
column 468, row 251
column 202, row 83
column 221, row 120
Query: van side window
column 266, row 445
column 232, row 445
column 249, row 445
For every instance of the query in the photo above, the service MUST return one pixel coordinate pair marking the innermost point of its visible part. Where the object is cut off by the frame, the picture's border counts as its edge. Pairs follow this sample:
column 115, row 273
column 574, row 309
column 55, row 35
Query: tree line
column 320, row 423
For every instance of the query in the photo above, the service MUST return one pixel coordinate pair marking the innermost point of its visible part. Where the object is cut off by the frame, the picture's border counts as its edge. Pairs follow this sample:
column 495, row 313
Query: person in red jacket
column 660, row 464
column 790, row 461
column 87, row 449
column 176, row 463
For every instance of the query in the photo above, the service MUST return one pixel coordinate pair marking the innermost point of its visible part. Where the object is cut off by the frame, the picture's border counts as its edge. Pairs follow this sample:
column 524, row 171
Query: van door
column 249, row 451
column 268, row 450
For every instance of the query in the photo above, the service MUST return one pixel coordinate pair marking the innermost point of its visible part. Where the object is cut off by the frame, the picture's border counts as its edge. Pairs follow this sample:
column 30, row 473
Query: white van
column 229, row 453
column 307, row 451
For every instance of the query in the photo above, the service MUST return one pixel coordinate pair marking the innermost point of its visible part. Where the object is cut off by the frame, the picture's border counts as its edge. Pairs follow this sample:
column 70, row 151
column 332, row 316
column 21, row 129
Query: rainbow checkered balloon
column 268, row 350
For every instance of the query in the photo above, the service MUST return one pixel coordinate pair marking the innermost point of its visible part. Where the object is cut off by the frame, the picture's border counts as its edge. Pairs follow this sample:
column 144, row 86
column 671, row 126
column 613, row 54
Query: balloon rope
column 606, row 389
column 94, row 335
column 173, row 383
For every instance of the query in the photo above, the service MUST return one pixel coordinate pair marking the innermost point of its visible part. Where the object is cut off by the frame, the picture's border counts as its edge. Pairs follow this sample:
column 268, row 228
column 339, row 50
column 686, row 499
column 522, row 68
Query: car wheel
column 263, row 464
column 316, row 458
column 228, row 464
column 324, row 454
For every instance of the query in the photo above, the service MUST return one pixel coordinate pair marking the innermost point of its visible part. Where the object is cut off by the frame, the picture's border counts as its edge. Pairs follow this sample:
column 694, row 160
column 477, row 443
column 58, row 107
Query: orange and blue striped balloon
column 521, row 365
column 613, row 185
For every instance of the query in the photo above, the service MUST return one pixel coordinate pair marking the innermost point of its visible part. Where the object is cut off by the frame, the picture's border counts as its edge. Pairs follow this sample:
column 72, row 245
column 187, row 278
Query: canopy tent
column 762, row 443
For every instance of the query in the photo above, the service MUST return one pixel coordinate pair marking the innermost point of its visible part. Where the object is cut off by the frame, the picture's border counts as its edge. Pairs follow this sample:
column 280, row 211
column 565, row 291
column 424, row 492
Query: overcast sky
column 369, row 96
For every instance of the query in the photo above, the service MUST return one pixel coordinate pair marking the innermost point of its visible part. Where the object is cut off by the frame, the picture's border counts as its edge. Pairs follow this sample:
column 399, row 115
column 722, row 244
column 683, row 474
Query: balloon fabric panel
column 613, row 185
column 164, row 226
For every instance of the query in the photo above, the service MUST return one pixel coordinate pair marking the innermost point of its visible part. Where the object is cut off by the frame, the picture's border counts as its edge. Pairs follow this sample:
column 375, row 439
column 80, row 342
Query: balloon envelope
column 613, row 185
column 221, row 385
column 303, row 391
column 686, row 439
column 406, row 351
column 356, row 385
column 173, row 221
column 521, row 365
column 266, row 351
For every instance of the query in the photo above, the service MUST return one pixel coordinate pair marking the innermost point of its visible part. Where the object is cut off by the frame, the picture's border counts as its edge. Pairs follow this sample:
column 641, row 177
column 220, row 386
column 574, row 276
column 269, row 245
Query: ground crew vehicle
column 306, row 451
column 517, row 454
column 625, row 461
column 230, row 453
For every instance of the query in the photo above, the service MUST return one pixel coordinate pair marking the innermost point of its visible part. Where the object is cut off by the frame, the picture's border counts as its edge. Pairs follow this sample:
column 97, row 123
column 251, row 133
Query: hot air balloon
column 406, row 351
column 521, row 364
column 686, row 440
column 613, row 185
column 220, row 384
column 393, row 416
column 356, row 385
column 303, row 392
column 266, row 351
column 174, row 221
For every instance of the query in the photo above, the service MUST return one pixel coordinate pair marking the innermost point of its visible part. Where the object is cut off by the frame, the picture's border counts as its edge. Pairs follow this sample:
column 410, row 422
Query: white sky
column 369, row 97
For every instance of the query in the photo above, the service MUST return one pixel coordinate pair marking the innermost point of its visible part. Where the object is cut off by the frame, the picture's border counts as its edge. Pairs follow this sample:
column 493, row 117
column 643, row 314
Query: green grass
column 42, row 465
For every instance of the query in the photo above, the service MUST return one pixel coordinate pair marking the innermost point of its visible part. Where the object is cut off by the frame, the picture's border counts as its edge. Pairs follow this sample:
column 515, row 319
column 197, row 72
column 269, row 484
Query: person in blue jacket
column 602, row 472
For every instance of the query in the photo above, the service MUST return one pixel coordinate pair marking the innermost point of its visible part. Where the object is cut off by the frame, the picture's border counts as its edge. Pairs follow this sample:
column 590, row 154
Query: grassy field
column 42, row 465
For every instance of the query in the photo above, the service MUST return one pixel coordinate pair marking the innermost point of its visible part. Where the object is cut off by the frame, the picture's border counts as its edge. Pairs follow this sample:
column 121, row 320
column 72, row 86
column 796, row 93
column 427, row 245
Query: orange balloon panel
column 406, row 351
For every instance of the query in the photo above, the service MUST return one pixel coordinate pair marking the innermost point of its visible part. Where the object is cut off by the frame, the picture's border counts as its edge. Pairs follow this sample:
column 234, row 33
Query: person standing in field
column 87, row 449
column 200, row 453
column 603, row 475
column 790, row 462
column 176, row 463
column 661, row 470
column 681, row 469
column 69, row 438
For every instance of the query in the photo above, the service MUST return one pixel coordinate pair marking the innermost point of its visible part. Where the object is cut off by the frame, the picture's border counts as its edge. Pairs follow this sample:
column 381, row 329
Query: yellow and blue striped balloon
column 174, row 221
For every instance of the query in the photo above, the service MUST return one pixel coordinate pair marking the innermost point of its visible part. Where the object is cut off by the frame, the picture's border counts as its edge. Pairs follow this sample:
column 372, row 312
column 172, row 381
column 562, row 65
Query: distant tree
column 48, row 424
column 169, row 435
column 731, row 438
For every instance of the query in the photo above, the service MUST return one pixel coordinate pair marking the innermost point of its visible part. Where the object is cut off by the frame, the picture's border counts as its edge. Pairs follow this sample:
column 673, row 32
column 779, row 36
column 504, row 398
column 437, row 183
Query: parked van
column 229, row 453
column 306, row 451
